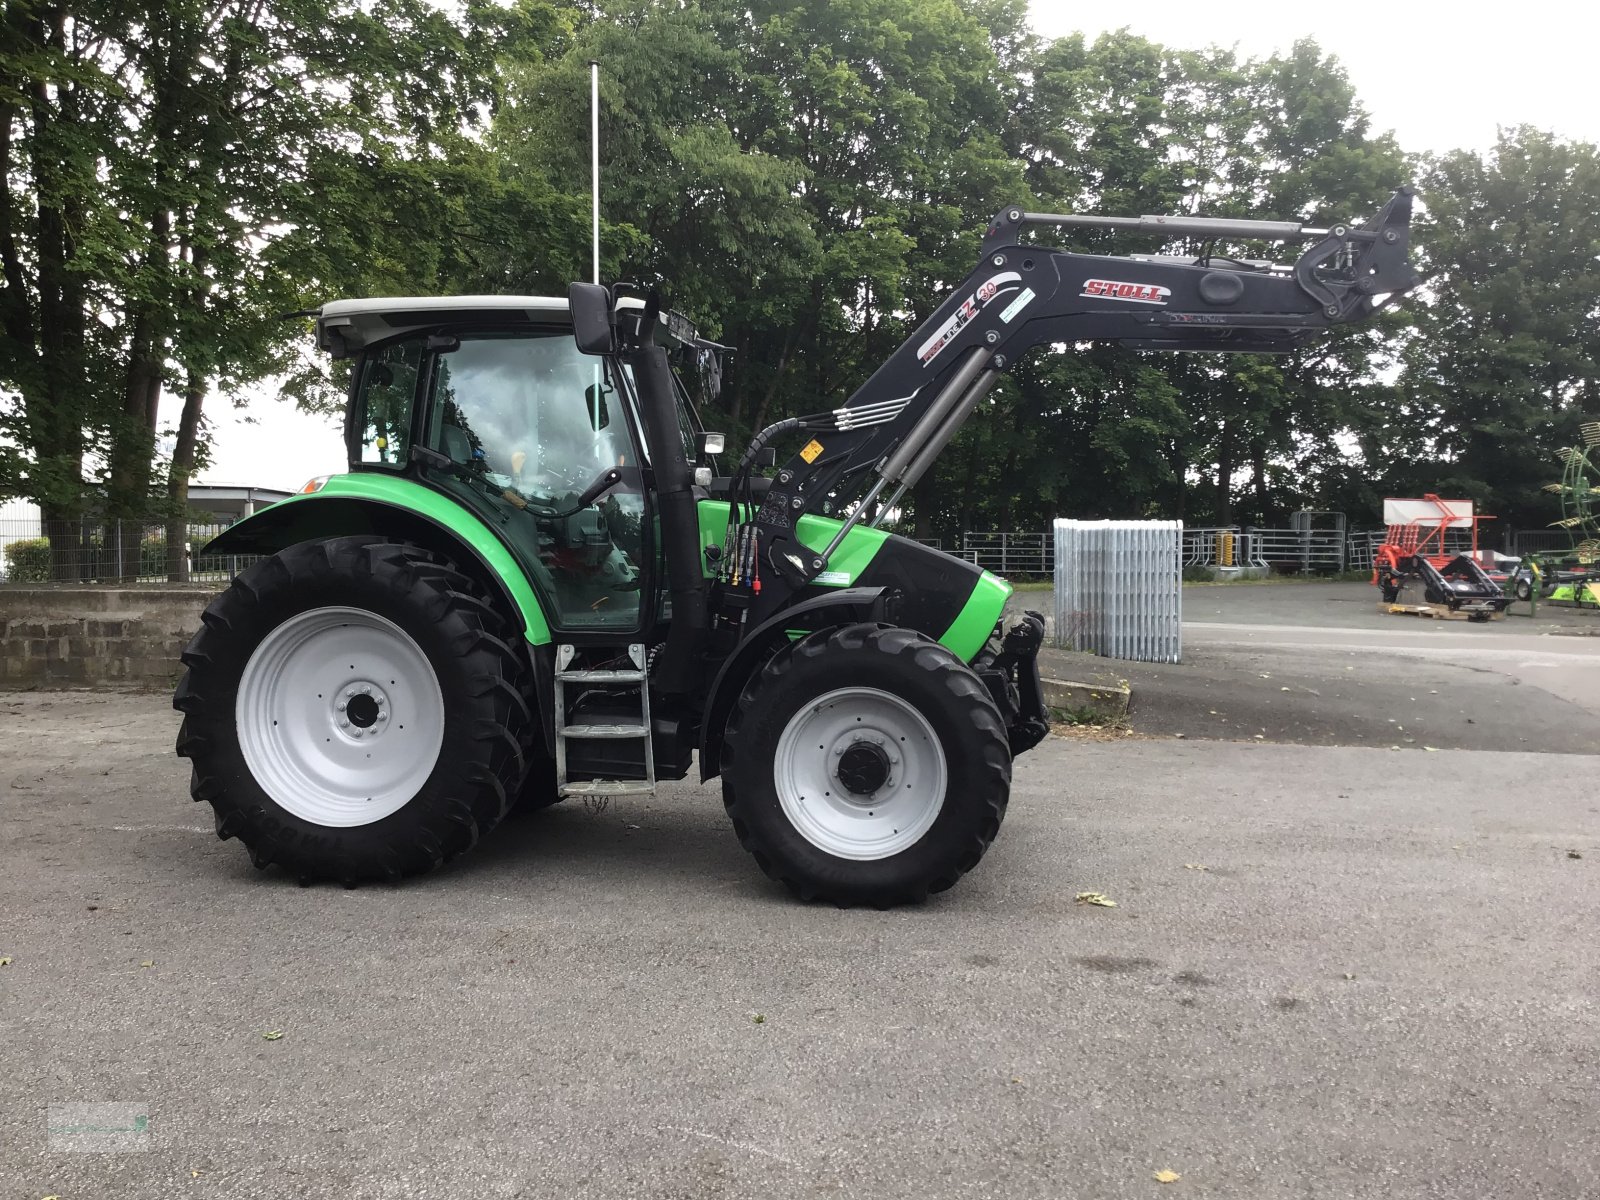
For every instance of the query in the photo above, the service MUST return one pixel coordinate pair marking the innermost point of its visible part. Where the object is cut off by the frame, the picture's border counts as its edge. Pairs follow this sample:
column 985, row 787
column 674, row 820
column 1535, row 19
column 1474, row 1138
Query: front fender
column 389, row 506
column 845, row 606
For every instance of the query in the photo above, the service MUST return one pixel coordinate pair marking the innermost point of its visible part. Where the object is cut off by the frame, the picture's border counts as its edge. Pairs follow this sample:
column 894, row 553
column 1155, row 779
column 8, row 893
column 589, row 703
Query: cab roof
column 345, row 327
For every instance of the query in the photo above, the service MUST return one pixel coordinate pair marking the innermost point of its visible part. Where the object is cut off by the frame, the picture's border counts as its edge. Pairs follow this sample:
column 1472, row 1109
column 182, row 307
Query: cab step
column 636, row 679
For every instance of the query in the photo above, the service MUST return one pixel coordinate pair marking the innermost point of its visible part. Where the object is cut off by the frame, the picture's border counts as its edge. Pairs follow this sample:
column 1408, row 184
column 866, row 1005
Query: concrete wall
column 96, row 636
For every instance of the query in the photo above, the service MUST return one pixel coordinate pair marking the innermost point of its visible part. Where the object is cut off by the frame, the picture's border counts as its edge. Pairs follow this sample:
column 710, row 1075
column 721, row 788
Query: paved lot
column 1318, row 664
column 1381, row 983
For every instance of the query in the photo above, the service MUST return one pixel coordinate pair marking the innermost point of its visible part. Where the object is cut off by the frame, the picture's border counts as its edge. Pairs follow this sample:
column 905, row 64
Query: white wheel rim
column 340, row 717
column 860, row 825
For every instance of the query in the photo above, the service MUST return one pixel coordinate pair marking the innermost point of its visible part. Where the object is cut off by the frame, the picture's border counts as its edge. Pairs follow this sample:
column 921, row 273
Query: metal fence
column 96, row 551
column 1533, row 541
column 1118, row 588
column 1295, row 549
column 1009, row 553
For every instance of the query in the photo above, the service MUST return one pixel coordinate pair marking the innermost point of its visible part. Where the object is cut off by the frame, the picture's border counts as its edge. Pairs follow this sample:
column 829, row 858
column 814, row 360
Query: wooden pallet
column 1437, row 611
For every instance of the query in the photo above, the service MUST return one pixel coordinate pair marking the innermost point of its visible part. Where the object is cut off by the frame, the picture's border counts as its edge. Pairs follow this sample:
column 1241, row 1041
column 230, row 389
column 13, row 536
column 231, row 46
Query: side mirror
column 590, row 305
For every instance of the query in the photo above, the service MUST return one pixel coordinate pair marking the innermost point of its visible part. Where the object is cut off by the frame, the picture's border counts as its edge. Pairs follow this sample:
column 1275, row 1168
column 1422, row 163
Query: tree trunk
column 133, row 441
column 183, row 456
column 1225, row 476
column 64, row 529
column 1258, row 469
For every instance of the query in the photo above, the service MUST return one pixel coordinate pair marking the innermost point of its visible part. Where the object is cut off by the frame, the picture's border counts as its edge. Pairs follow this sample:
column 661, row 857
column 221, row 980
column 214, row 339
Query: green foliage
column 807, row 179
column 1506, row 361
column 28, row 561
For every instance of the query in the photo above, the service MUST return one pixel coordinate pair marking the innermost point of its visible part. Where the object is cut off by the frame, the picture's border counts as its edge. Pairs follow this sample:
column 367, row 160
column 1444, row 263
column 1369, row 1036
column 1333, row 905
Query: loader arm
column 881, row 441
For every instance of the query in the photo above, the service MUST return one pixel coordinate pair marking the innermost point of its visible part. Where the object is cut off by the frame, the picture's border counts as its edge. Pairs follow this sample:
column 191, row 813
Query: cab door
column 527, row 423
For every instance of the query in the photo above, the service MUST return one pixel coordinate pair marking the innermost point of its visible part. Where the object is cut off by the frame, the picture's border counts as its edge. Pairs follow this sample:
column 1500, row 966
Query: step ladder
column 636, row 677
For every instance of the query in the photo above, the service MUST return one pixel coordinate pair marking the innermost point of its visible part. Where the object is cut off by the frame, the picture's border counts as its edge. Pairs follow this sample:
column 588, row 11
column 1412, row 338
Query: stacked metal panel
column 1118, row 588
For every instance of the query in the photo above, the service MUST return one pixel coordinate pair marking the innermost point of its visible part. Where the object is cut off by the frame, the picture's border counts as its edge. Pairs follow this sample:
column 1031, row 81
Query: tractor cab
column 488, row 400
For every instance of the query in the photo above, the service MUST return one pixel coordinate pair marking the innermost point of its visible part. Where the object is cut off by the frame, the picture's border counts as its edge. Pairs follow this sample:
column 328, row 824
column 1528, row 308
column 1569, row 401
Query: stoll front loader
column 534, row 582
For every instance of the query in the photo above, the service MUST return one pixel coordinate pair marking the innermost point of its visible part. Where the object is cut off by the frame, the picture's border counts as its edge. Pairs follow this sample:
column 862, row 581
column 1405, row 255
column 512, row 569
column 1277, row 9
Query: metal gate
column 1118, row 588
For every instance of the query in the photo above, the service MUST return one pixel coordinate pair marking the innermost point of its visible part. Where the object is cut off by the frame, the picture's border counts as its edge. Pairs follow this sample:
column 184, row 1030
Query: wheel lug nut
column 344, row 724
column 382, row 716
column 341, row 706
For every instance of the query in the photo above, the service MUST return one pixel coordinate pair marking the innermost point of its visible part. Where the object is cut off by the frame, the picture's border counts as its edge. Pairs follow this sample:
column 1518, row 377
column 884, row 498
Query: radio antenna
column 594, row 151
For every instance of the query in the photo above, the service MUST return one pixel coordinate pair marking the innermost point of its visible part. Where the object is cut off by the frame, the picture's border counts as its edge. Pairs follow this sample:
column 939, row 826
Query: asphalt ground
column 1330, row 971
column 1319, row 664
column 1342, row 970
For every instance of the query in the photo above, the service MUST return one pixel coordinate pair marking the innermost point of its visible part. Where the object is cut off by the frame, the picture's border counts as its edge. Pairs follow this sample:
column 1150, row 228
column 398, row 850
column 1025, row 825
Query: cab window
column 527, row 423
column 381, row 434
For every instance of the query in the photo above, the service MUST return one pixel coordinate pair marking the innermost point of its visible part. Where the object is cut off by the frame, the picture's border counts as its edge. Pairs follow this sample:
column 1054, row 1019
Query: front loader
column 537, row 581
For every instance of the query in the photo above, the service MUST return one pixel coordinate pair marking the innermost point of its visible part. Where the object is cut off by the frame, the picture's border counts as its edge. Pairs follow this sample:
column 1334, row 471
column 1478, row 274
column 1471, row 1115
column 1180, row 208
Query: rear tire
column 353, row 712
column 906, row 746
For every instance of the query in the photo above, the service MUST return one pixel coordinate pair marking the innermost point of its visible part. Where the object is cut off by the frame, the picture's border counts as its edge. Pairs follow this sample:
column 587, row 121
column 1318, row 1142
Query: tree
column 1506, row 361
column 180, row 175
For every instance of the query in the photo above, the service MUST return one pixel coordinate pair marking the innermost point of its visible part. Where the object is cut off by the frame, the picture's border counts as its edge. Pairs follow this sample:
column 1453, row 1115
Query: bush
column 153, row 556
column 28, row 561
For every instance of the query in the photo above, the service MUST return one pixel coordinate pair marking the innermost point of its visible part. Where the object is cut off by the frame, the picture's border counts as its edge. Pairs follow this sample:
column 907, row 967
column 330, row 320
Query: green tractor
column 539, row 580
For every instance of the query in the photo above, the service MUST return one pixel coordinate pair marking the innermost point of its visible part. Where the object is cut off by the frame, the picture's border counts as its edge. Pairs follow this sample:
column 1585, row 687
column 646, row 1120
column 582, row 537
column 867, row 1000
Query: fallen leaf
column 149, row 962
column 5, row 962
column 1573, row 854
column 1167, row 1177
column 1261, row 737
column 1195, row 867
column 759, row 1019
column 1016, row 1079
column 1349, row 975
column 1431, row 749
column 1098, row 899
column 273, row 1035
column 194, row 1174
column 1283, row 689
column 1265, row 676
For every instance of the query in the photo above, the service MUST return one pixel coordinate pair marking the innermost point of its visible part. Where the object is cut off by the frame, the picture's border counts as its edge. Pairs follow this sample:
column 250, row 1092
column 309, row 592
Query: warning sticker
column 811, row 450
column 1017, row 305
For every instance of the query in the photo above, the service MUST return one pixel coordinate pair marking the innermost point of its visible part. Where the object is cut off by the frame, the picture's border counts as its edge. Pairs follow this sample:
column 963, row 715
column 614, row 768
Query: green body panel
column 441, row 509
column 967, row 633
column 848, row 561
column 976, row 621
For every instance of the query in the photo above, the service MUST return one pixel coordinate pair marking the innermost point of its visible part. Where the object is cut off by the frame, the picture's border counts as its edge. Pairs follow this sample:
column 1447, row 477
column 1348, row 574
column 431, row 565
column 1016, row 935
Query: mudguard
column 845, row 606
column 391, row 506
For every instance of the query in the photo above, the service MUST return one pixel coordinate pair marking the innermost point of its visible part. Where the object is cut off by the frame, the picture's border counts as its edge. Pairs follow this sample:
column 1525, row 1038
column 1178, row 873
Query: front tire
column 866, row 765
column 353, row 712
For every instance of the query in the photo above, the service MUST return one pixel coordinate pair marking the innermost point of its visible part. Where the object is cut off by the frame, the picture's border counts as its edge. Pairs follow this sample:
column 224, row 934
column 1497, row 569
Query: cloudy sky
column 1441, row 75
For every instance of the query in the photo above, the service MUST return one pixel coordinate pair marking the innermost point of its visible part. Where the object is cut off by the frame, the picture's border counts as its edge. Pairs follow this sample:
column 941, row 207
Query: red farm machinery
column 1423, row 567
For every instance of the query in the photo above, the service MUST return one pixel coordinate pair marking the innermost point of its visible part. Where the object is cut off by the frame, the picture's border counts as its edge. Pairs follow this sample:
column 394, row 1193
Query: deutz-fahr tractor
column 538, row 580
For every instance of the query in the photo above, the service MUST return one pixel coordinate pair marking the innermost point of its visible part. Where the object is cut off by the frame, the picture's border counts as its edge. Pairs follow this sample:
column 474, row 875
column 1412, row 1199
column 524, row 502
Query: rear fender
column 465, row 540
column 847, row 606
